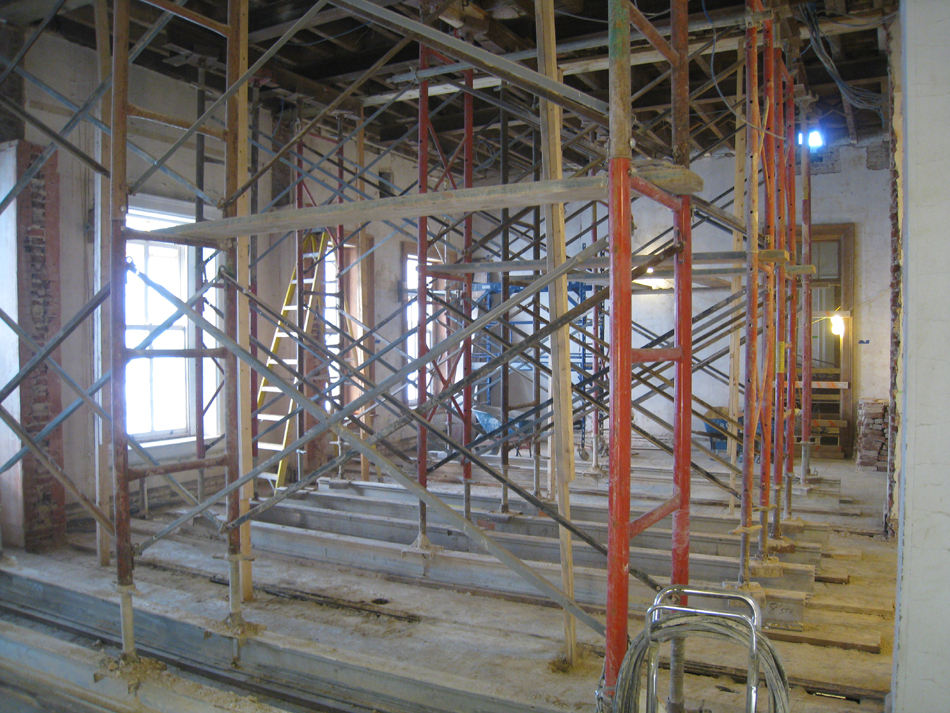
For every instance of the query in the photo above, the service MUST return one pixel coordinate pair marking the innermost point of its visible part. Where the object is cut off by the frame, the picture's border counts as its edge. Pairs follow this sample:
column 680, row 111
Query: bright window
column 815, row 139
column 160, row 392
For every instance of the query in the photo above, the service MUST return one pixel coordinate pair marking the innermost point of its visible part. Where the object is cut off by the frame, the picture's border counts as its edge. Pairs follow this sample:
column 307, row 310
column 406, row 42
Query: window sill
column 167, row 449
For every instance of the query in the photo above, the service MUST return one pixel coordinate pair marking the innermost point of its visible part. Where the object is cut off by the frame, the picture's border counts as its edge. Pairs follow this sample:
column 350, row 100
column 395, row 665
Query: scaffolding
column 346, row 383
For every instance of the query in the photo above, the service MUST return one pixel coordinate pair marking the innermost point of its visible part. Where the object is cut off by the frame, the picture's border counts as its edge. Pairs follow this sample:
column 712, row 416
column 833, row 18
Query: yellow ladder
column 315, row 251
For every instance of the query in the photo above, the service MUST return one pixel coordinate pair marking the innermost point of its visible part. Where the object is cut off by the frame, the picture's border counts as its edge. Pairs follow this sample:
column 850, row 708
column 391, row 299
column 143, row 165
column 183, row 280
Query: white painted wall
column 861, row 196
column 921, row 650
column 853, row 194
column 72, row 71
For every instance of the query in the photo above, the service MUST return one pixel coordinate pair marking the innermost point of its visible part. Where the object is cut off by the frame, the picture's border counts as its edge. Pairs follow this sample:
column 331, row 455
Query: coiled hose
column 627, row 693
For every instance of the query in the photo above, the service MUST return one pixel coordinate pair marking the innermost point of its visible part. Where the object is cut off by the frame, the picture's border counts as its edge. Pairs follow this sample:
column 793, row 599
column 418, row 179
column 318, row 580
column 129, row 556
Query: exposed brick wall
column 44, row 500
column 897, row 304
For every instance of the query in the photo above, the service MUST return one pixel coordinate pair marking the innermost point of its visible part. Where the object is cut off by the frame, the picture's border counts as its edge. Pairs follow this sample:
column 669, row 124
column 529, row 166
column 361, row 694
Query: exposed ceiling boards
column 336, row 47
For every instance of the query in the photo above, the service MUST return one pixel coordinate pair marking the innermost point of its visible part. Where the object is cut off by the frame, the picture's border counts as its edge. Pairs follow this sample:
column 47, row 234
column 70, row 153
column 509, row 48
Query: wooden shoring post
column 768, row 312
column 619, row 440
column 751, row 400
column 559, row 384
column 781, row 303
column 242, row 405
column 505, row 290
column 102, row 261
column 468, row 171
column 364, row 274
column 683, row 340
column 791, row 288
column 119, row 207
column 735, row 339
column 806, row 302
column 422, row 255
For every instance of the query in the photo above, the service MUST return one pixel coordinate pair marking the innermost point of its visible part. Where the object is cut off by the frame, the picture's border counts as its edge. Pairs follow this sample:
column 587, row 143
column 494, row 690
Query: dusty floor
column 509, row 649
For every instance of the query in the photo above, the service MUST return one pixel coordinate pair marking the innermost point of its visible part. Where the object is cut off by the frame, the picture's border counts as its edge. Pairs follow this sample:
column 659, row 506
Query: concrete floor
column 505, row 649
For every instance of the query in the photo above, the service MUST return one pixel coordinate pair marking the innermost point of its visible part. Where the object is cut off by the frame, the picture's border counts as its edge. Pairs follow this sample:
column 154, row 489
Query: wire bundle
column 858, row 97
column 627, row 693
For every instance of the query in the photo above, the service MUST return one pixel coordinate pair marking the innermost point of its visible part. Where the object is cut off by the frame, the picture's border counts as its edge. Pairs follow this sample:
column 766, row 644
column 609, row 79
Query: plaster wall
column 921, row 660
column 852, row 193
column 72, row 72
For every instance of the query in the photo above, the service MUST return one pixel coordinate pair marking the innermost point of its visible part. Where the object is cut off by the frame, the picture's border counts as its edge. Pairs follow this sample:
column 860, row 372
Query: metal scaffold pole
column 683, row 340
column 752, row 389
column 422, row 252
column 767, row 391
column 806, row 306
column 791, row 295
column 468, row 171
column 619, row 227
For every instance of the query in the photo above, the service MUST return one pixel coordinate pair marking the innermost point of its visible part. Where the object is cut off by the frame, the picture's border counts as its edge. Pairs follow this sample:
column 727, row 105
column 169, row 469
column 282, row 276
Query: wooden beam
column 559, row 384
column 466, row 200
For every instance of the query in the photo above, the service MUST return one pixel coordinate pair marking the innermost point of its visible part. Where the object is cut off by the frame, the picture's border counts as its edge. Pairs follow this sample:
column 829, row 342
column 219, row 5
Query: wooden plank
column 465, row 200
column 837, row 637
column 777, row 256
column 560, row 380
column 668, row 176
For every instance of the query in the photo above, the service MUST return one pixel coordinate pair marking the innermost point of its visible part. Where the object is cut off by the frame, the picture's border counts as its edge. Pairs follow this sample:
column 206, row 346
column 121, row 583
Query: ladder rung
column 269, row 446
column 289, row 307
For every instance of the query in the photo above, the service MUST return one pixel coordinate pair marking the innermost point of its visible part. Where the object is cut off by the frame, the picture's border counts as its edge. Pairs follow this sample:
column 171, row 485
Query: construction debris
column 871, row 447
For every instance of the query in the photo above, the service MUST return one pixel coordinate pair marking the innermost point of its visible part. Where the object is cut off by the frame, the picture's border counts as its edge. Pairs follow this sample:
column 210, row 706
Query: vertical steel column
column 469, row 160
column 735, row 338
column 198, row 263
column 255, row 130
column 231, row 445
column 768, row 328
column 596, row 364
column 792, row 298
column 102, row 272
column 683, row 380
column 536, row 321
column 302, row 463
column 422, row 251
column 506, row 332
column 806, row 304
column 620, row 239
column 120, row 448
column 781, row 303
column 752, row 296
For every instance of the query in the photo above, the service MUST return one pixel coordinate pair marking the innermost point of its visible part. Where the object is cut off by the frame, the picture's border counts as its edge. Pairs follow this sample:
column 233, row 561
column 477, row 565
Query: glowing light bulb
column 837, row 325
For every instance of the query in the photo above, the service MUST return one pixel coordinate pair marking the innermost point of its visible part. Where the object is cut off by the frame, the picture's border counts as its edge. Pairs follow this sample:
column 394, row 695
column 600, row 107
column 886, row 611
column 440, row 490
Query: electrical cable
column 627, row 692
column 331, row 38
column 712, row 69
column 858, row 97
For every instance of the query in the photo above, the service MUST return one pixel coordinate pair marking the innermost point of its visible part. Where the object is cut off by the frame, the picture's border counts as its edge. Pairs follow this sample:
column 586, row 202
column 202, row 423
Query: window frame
column 170, row 212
